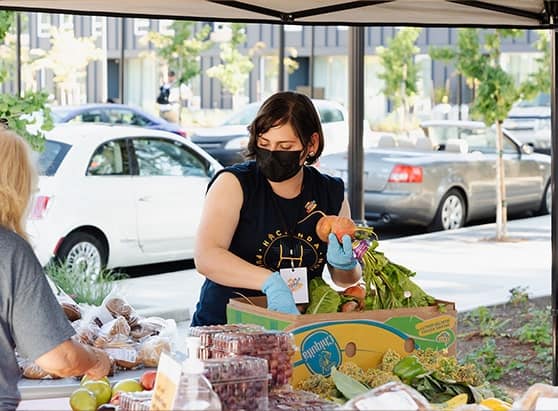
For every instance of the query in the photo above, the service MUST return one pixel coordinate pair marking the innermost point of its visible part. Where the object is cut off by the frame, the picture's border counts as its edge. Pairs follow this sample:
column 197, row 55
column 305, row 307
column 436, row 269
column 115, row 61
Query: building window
column 66, row 22
column 43, row 25
column 97, row 26
column 141, row 27
column 165, row 27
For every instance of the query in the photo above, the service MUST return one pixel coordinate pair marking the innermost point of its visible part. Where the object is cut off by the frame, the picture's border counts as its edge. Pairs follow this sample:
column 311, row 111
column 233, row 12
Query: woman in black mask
column 258, row 228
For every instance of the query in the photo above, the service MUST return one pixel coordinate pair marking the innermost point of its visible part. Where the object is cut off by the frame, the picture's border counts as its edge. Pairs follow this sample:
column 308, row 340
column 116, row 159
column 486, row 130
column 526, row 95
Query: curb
column 177, row 314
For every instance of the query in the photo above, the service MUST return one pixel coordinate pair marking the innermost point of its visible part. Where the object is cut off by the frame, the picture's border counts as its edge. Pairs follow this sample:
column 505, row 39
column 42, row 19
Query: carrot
column 341, row 226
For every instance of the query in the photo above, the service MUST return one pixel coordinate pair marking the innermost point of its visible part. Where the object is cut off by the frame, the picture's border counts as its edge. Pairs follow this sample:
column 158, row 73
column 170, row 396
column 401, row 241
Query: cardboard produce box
column 326, row 340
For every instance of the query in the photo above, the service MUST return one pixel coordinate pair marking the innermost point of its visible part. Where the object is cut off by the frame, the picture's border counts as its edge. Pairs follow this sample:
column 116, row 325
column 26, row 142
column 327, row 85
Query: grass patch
column 79, row 287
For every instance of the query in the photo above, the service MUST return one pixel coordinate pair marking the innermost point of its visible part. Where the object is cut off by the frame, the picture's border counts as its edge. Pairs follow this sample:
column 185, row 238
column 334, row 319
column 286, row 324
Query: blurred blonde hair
column 18, row 179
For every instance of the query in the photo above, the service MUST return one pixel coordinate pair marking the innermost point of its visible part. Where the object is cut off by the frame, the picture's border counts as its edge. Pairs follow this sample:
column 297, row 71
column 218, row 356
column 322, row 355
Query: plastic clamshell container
column 240, row 382
column 206, row 332
column 135, row 401
column 277, row 347
column 250, row 342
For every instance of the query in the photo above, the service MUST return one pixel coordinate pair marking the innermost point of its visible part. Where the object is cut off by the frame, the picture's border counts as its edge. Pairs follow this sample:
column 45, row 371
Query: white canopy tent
column 524, row 13
column 527, row 14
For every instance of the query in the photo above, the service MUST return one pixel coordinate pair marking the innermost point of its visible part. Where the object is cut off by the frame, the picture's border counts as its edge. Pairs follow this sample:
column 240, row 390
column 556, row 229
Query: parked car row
column 115, row 195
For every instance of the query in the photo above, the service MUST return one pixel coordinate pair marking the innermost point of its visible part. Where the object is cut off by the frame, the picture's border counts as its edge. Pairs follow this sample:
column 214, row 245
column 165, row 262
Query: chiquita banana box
column 326, row 340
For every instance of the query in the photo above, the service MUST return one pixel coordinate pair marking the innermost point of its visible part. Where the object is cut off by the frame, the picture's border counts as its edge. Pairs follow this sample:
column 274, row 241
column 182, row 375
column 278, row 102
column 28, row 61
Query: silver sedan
column 447, row 177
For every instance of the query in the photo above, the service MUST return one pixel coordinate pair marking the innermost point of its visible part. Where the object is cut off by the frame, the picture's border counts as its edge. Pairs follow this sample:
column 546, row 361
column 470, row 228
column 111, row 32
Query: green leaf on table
column 347, row 385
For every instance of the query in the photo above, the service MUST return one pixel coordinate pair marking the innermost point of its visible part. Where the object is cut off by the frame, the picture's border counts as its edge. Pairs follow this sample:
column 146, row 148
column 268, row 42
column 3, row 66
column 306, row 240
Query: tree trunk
column 501, row 206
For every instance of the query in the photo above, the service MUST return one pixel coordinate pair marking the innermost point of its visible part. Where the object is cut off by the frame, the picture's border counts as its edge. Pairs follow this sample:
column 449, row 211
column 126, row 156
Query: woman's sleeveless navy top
column 269, row 228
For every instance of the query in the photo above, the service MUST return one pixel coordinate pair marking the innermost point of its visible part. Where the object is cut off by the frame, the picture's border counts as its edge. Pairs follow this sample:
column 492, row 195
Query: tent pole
column 281, row 82
column 122, row 55
column 356, row 117
column 18, row 55
column 554, row 216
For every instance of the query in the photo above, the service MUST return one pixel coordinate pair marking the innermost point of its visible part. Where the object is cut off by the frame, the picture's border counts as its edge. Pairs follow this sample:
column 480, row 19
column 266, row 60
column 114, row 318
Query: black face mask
column 278, row 165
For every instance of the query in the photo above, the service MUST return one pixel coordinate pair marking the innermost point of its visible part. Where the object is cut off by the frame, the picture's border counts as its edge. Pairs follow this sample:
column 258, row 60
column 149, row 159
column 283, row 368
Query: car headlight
column 238, row 143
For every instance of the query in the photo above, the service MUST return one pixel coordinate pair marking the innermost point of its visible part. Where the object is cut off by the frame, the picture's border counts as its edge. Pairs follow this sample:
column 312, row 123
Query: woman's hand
column 279, row 295
column 340, row 256
column 103, row 364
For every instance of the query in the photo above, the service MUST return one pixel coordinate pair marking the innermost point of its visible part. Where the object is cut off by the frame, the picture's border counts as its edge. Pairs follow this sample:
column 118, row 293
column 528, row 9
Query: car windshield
column 542, row 99
column 58, row 114
column 439, row 135
column 51, row 158
column 243, row 117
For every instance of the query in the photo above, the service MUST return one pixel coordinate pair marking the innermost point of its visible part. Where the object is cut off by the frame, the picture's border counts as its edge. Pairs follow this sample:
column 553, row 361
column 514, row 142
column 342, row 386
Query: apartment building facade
column 130, row 71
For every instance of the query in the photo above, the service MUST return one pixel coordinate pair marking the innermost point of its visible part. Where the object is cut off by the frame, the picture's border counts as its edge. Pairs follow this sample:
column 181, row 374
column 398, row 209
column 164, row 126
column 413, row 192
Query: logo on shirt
column 279, row 250
column 310, row 206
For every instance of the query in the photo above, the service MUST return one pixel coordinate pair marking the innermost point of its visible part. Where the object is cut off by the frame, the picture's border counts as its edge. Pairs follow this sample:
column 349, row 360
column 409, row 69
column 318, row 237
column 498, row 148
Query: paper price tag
column 123, row 354
column 297, row 280
column 166, row 384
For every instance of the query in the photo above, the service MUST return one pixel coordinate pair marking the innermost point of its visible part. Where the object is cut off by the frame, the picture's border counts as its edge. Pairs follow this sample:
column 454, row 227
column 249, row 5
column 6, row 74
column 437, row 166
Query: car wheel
column 546, row 202
column 83, row 252
column 451, row 212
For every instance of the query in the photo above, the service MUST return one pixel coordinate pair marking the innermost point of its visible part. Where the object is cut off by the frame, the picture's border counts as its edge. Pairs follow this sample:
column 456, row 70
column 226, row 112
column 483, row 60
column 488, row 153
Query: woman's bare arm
column 215, row 232
column 72, row 358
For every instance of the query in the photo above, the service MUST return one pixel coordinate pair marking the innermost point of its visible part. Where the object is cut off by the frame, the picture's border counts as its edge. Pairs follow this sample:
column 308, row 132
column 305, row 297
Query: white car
column 529, row 122
column 228, row 141
column 114, row 196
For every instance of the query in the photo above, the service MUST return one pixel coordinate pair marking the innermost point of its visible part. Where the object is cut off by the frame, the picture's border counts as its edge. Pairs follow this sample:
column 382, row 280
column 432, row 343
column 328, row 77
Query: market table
column 45, row 389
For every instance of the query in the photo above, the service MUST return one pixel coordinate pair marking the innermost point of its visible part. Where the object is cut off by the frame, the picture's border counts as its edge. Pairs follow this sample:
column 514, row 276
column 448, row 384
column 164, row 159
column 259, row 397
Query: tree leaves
column 29, row 116
column 182, row 49
column 400, row 70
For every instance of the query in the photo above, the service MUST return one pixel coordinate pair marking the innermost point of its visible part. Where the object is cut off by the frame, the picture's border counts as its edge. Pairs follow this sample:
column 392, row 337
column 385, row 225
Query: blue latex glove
column 340, row 255
column 279, row 295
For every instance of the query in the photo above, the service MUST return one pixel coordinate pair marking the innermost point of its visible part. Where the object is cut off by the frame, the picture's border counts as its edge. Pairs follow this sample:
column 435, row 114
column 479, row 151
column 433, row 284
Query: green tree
column 400, row 71
column 539, row 80
column 495, row 96
column 68, row 72
column 235, row 67
column 29, row 116
column 182, row 49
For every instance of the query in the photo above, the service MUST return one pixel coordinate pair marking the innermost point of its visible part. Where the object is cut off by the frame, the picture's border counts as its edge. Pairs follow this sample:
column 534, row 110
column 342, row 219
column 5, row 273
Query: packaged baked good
column 146, row 327
column 390, row 396
column 119, row 306
column 118, row 327
column 538, row 397
column 72, row 310
column 151, row 348
column 32, row 371
column 125, row 355
column 86, row 332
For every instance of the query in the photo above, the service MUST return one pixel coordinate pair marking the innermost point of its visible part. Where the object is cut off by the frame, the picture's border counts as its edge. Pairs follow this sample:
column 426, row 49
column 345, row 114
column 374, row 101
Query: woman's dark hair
column 287, row 107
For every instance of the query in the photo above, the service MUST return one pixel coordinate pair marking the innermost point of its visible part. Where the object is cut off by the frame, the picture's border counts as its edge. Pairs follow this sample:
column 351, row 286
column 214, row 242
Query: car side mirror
column 527, row 149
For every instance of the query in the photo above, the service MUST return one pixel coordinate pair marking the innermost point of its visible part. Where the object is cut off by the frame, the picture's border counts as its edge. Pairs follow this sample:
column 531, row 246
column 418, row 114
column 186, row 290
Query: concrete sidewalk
column 465, row 266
